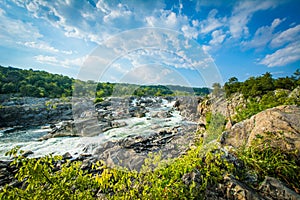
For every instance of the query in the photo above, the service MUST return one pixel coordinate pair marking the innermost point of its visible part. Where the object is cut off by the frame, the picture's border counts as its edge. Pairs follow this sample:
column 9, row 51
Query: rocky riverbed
column 115, row 129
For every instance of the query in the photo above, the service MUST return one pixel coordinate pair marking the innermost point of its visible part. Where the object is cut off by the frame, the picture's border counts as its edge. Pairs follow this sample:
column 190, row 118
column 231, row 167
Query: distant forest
column 34, row 83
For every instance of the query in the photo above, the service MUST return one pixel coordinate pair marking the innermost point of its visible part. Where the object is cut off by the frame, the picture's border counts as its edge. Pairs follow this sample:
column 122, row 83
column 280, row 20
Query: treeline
column 21, row 82
column 124, row 89
column 34, row 83
column 261, row 85
column 263, row 92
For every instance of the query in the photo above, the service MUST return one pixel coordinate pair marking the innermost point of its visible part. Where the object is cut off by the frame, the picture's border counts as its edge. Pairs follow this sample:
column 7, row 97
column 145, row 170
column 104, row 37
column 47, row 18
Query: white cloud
column 211, row 23
column 166, row 19
column 217, row 37
column 66, row 63
column 263, row 35
column 206, row 48
column 44, row 47
column 103, row 7
column 289, row 35
column 15, row 32
column 189, row 32
column 284, row 56
column 242, row 14
column 12, row 31
column 154, row 74
column 46, row 59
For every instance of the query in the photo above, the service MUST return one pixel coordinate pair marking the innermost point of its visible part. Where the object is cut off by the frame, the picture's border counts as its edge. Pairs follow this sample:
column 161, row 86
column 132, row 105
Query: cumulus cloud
column 211, row 23
column 169, row 19
column 12, row 29
column 289, row 35
column 44, row 47
column 263, row 35
column 217, row 37
column 242, row 13
column 283, row 56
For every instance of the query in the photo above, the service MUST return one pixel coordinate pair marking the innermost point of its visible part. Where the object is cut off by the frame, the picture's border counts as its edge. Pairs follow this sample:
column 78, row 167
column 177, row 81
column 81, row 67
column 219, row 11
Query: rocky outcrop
column 220, row 104
column 231, row 188
column 188, row 107
column 131, row 152
column 281, row 122
column 34, row 112
column 272, row 188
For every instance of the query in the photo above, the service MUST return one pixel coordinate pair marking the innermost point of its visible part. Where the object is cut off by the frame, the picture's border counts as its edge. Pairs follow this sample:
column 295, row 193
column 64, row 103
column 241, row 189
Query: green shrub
column 98, row 100
column 269, row 100
column 267, row 160
column 215, row 124
column 41, row 181
column 164, row 182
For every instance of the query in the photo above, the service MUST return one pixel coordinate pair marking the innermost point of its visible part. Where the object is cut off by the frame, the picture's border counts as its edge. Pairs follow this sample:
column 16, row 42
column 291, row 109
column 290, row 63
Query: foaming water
column 28, row 139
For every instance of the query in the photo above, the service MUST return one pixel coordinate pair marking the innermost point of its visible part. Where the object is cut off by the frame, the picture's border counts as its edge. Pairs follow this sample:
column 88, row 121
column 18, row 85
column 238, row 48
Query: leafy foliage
column 165, row 182
column 20, row 82
column 34, row 83
column 215, row 123
column 157, row 179
column 268, row 100
column 261, row 85
column 268, row 160
column 41, row 180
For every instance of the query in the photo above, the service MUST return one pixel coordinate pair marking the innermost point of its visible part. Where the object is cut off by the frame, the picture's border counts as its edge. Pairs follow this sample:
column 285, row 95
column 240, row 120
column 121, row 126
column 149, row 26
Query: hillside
column 34, row 83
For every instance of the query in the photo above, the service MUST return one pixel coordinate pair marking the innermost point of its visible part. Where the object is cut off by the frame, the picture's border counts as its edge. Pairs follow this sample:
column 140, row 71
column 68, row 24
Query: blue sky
column 151, row 42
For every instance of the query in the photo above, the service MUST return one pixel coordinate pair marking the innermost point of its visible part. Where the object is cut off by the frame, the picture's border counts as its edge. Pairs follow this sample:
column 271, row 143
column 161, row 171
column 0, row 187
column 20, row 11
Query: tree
column 217, row 89
column 232, row 86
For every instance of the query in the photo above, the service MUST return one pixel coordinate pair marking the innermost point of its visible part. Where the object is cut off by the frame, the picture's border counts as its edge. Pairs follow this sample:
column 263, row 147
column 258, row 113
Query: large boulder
column 187, row 106
column 282, row 123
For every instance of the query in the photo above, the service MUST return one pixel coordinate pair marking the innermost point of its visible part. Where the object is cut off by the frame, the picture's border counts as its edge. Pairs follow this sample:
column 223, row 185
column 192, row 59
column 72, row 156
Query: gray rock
column 272, row 188
column 27, row 153
column 282, row 121
column 86, row 165
column 193, row 176
column 67, row 156
column 232, row 189
column 29, row 111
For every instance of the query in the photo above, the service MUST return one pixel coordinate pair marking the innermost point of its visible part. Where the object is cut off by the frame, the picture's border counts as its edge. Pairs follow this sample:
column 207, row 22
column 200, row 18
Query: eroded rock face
column 275, row 189
column 131, row 152
column 225, row 106
column 188, row 107
column 281, row 122
column 29, row 111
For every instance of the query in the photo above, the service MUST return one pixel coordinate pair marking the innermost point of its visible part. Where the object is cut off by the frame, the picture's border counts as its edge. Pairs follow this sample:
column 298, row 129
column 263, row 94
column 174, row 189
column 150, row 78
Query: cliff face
column 34, row 112
column 282, row 122
column 220, row 104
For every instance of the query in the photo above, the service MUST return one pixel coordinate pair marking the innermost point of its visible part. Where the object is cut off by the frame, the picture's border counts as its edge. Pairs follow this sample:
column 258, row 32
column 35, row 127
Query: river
column 28, row 139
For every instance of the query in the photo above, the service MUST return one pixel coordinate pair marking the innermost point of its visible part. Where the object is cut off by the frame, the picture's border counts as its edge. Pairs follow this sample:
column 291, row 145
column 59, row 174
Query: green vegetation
column 215, row 123
column 41, row 181
column 258, row 86
column 34, row 83
column 265, row 159
column 157, row 180
column 20, row 82
column 70, row 182
column 263, row 92
column 268, row 100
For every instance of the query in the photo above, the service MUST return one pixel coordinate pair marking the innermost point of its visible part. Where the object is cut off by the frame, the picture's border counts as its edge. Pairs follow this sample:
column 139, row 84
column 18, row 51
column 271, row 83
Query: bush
column 41, row 181
column 98, row 100
column 267, row 160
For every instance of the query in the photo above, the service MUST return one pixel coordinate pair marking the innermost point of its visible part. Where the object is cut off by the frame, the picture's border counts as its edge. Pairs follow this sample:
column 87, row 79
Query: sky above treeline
column 193, row 43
